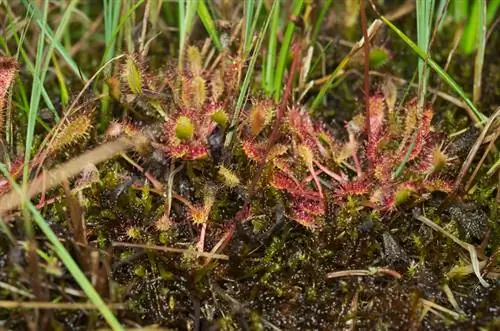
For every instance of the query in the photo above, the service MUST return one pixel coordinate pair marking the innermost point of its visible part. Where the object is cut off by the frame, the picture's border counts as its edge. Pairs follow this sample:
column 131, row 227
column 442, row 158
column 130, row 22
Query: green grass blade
column 187, row 13
column 460, row 10
column 248, row 76
column 472, row 28
column 249, row 5
column 66, row 258
column 425, row 10
column 270, row 61
column 35, row 98
column 55, row 41
column 481, row 48
column 111, row 16
column 443, row 74
column 255, row 20
column 491, row 11
column 208, row 23
column 284, row 50
column 117, row 29
column 321, row 16
column 468, row 42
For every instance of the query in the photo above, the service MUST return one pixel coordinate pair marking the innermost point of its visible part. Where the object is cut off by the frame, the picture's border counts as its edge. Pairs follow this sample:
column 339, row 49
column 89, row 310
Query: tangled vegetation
column 229, row 179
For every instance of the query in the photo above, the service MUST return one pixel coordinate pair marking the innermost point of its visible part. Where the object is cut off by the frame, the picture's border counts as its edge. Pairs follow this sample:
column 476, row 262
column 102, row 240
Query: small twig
column 472, row 153
column 13, row 289
column 364, row 272
column 434, row 305
column 53, row 305
column 170, row 250
column 480, row 163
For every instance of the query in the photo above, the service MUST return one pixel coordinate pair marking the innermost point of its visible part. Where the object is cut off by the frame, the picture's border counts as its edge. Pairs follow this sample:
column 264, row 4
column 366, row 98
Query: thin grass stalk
column 32, row 115
column 22, row 53
column 118, row 28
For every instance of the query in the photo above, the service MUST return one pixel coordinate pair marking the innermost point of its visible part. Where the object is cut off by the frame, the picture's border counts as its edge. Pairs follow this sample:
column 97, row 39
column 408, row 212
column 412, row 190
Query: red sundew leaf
column 8, row 69
column 422, row 134
column 198, row 214
column 285, row 166
column 383, row 168
column 377, row 113
column 438, row 184
column 301, row 124
column 4, row 186
column 281, row 181
column 253, row 151
column 311, row 207
column 358, row 187
column 421, row 139
column 425, row 162
column 306, row 212
column 184, row 151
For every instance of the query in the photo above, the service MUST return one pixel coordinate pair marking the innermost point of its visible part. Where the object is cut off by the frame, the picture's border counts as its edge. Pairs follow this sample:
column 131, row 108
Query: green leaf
column 208, row 23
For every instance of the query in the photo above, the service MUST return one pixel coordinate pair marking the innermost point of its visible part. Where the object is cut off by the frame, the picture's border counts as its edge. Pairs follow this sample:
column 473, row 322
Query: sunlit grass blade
column 255, row 19
column 111, row 16
column 284, row 49
column 472, row 28
column 248, row 76
column 187, row 13
column 270, row 60
column 208, row 22
column 425, row 10
column 249, row 6
column 479, row 117
column 481, row 48
column 66, row 258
